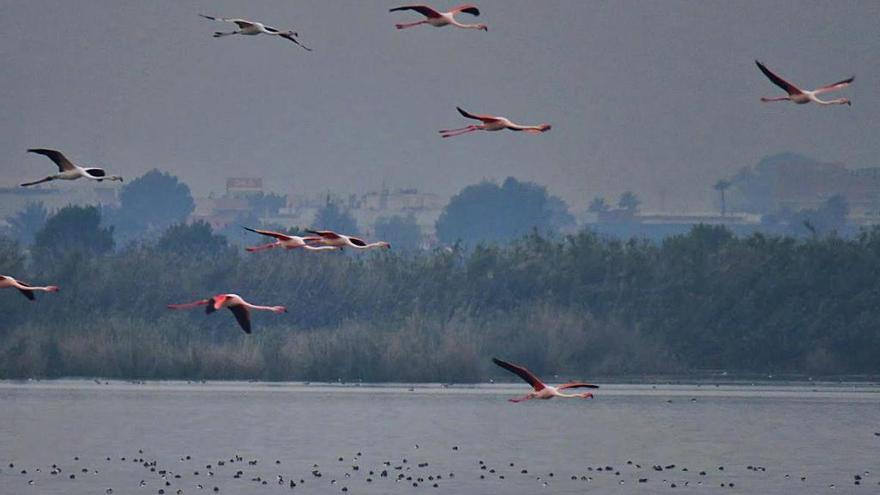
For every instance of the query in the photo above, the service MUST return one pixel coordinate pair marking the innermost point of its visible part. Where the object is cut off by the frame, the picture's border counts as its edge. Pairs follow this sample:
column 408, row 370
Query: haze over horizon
column 143, row 85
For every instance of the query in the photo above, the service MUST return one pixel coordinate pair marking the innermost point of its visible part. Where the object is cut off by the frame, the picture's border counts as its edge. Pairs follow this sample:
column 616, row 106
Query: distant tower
column 721, row 186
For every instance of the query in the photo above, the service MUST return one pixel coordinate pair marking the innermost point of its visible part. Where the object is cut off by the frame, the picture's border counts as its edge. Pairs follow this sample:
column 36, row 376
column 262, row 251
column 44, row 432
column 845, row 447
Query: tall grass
column 578, row 306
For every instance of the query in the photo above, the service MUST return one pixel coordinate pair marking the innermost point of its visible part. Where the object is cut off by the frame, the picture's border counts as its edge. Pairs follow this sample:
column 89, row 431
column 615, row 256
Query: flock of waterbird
column 326, row 240
column 416, row 468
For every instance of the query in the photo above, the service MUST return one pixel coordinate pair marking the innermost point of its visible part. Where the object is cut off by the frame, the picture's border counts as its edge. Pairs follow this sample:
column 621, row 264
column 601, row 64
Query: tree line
column 480, row 212
column 576, row 305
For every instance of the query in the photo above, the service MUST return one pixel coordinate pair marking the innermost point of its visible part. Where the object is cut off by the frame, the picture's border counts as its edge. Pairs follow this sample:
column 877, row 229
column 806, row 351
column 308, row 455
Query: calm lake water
column 765, row 437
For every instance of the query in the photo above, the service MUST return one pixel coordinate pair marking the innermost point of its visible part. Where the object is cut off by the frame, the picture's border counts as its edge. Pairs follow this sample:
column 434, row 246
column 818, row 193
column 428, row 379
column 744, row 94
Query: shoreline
column 678, row 392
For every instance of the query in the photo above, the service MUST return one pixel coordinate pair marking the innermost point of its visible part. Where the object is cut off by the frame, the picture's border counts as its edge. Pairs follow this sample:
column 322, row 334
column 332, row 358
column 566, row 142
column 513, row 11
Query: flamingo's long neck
column 318, row 248
column 466, row 26
column 274, row 309
column 837, row 101
column 526, row 128
column 109, row 178
column 377, row 244
column 567, row 396
column 45, row 288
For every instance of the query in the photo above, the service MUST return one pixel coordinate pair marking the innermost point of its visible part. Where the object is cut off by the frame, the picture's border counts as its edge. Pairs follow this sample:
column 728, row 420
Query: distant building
column 401, row 200
column 300, row 210
column 698, row 219
column 793, row 182
column 220, row 212
column 235, row 204
column 626, row 224
column 237, row 187
column 424, row 207
column 617, row 215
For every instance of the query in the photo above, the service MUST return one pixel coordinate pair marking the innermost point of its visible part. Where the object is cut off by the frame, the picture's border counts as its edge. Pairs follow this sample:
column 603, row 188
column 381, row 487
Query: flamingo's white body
column 68, row 171
column 7, row 282
column 492, row 123
column 330, row 238
column 288, row 242
column 440, row 19
column 542, row 390
column 239, row 307
column 253, row 28
column 802, row 96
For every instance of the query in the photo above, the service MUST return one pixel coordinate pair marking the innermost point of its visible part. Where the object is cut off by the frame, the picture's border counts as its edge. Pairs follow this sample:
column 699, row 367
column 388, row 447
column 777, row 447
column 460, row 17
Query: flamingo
column 251, row 28
column 492, row 123
column 802, row 96
column 239, row 307
column 542, row 390
column 287, row 242
column 68, row 171
column 440, row 19
column 28, row 290
column 330, row 238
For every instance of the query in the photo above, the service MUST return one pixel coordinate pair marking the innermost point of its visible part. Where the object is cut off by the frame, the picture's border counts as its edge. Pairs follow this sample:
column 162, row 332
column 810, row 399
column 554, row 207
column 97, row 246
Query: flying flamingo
column 330, row 238
column 251, row 28
column 28, row 290
column 801, row 96
column 440, row 19
column 287, row 242
column 239, row 307
column 68, row 171
column 542, row 390
column 492, row 123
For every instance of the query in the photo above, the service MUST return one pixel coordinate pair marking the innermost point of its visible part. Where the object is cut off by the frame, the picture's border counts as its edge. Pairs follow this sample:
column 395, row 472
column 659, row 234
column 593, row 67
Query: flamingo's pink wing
column 577, row 385
column 325, row 234
column 277, row 235
column 475, row 116
column 523, row 373
column 357, row 241
column 467, row 9
column 56, row 156
column 218, row 300
column 421, row 9
column 243, row 316
column 835, row 86
column 27, row 293
column 782, row 83
column 201, row 302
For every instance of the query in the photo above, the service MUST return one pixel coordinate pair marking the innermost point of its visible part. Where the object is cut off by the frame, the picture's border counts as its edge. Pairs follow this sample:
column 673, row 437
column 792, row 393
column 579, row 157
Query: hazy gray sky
column 659, row 97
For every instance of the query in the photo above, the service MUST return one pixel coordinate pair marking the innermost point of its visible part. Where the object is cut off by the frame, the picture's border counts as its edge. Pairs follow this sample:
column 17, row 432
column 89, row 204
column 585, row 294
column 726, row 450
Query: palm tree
column 26, row 223
column 629, row 201
column 722, row 186
column 598, row 205
column 332, row 217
